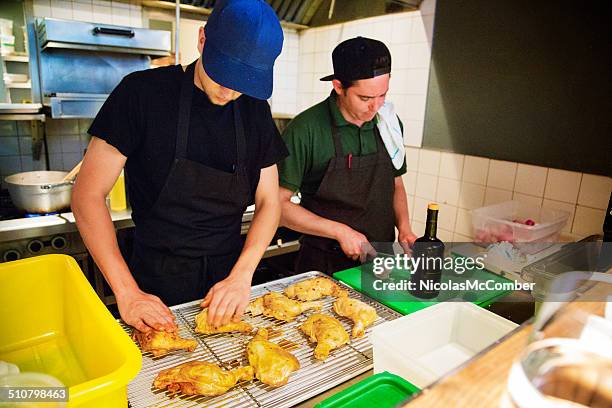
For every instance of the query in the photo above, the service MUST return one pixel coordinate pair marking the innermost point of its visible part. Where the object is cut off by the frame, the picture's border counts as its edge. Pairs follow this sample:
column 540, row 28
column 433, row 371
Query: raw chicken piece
column 160, row 343
column 327, row 331
column 361, row 314
column 203, row 327
column 279, row 306
column 200, row 378
column 313, row 289
column 272, row 364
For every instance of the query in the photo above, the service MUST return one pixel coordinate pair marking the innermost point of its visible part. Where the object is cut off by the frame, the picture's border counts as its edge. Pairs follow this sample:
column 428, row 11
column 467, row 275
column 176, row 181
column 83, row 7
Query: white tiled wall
column 14, row 139
column 408, row 36
column 66, row 140
column 127, row 13
column 284, row 97
column 461, row 183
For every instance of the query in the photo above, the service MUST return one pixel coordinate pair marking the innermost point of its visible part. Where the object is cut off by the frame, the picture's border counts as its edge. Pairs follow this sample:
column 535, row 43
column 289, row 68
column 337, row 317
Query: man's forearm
column 262, row 229
column 97, row 230
column 300, row 219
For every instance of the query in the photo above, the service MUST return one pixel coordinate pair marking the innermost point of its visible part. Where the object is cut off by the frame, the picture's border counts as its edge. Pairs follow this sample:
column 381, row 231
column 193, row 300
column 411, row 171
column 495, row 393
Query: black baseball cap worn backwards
column 359, row 58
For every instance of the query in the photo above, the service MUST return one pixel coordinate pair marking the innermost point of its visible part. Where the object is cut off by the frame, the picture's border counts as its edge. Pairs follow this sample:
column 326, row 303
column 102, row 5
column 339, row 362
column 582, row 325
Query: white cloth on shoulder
column 391, row 133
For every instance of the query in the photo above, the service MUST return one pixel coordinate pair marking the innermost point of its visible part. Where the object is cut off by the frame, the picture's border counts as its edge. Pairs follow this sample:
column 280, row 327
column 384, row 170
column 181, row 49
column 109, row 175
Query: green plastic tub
column 384, row 390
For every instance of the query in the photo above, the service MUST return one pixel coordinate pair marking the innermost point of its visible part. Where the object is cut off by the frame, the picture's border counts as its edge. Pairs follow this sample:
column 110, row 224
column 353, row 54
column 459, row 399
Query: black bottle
column 428, row 251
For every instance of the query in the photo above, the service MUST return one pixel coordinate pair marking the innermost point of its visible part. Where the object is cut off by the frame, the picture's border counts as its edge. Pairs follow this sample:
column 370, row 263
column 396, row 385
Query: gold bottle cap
column 433, row 206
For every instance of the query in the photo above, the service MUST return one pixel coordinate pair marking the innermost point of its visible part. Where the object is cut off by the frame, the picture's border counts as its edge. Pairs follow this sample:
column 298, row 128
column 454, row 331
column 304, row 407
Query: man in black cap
column 199, row 145
column 346, row 160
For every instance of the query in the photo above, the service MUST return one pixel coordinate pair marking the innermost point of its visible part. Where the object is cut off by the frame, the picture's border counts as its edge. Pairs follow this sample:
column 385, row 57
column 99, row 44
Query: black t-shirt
column 140, row 117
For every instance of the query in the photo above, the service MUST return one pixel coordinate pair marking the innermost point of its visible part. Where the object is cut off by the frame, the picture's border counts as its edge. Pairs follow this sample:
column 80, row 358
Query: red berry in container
column 530, row 222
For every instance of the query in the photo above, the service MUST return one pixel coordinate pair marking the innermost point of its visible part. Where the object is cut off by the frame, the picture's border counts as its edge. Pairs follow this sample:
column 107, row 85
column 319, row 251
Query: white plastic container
column 495, row 223
column 423, row 346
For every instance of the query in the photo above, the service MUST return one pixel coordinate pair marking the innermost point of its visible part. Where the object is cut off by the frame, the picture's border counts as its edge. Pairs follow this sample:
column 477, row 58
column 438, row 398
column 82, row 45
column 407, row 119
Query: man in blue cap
column 199, row 145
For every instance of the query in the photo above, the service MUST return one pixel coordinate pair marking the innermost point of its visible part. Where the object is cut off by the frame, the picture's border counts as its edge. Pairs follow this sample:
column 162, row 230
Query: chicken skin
column 360, row 313
column 280, row 307
column 200, row 378
column 272, row 364
column 313, row 289
column 327, row 332
column 160, row 343
column 203, row 327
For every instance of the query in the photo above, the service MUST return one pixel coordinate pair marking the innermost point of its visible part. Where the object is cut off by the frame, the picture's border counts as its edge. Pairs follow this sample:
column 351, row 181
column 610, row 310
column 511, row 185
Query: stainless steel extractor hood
column 78, row 64
column 302, row 14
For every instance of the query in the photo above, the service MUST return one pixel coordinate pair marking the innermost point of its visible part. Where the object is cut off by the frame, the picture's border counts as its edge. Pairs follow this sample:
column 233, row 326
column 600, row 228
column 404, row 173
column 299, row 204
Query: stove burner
column 8, row 211
column 39, row 215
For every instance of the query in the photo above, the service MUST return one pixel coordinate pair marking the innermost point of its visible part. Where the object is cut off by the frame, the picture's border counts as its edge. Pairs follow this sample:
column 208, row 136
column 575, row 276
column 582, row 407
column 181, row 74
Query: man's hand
column 354, row 244
column 406, row 239
column 144, row 312
column 227, row 300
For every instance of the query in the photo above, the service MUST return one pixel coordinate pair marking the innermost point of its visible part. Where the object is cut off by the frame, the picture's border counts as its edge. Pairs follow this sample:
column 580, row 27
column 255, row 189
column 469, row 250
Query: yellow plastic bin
column 51, row 321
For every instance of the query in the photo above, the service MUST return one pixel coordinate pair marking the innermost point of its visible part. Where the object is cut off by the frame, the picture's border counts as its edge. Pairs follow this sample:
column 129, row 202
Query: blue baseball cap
column 243, row 39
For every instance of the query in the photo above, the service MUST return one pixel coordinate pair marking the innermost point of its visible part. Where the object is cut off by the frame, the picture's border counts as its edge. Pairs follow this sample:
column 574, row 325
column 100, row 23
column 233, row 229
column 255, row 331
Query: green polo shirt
column 309, row 140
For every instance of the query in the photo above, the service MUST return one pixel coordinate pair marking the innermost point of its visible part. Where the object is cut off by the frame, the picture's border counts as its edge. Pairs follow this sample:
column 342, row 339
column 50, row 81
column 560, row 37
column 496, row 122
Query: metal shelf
column 20, row 85
column 16, row 58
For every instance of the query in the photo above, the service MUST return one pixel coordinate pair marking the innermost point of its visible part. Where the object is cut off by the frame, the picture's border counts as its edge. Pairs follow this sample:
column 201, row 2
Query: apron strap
column 182, row 128
column 335, row 135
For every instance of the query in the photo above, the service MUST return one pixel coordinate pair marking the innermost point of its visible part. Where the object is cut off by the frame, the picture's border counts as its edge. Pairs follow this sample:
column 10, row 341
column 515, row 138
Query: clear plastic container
column 423, row 346
column 506, row 222
column 588, row 254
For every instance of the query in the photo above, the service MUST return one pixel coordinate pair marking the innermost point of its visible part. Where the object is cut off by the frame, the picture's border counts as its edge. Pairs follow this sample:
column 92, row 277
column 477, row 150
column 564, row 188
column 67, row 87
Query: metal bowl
column 40, row 192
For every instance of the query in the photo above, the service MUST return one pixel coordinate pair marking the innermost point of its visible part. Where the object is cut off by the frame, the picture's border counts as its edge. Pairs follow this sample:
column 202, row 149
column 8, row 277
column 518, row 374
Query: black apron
column 356, row 191
column 190, row 239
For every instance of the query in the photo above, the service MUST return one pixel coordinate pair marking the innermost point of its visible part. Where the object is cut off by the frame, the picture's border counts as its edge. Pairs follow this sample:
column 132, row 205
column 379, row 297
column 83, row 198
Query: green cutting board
column 411, row 304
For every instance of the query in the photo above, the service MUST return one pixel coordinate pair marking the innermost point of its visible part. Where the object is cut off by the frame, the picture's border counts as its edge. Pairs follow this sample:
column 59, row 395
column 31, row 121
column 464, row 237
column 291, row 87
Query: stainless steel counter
column 25, row 228
column 17, row 108
column 28, row 228
column 64, row 223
